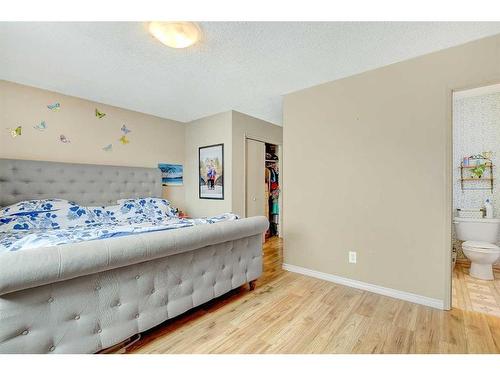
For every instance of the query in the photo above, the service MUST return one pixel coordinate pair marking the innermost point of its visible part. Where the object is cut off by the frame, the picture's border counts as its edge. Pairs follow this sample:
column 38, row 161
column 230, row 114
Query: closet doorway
column 263, row 189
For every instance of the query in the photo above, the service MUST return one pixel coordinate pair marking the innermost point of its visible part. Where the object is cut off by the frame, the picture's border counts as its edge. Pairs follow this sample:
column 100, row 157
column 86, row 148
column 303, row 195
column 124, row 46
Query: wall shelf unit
column 485, row 182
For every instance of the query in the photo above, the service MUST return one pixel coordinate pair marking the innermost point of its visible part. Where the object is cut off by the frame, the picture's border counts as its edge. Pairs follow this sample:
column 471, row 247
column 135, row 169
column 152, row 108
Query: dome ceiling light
column 175, row 34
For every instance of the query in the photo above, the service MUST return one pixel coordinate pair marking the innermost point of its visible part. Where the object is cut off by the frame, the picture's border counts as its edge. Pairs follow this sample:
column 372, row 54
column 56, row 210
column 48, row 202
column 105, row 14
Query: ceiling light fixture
column 175, row 34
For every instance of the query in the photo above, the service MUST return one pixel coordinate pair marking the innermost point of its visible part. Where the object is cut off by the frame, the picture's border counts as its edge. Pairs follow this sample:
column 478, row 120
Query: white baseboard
column 405, row 296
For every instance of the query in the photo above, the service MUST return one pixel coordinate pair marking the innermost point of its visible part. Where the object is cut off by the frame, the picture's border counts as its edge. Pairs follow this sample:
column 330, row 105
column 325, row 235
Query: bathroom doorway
column 476, row 200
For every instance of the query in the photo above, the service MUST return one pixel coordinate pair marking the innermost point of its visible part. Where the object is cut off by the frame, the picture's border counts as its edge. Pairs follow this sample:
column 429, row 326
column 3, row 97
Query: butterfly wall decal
column 41, row 126
column 99, row 114
column 108, row 147
column 124, row 140
column 64, row 139
column 16, row 132
column 54, row 106
column 125, row 130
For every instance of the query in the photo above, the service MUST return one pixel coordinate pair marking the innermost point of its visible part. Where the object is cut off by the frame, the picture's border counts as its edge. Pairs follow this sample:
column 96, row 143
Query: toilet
column 480, row 236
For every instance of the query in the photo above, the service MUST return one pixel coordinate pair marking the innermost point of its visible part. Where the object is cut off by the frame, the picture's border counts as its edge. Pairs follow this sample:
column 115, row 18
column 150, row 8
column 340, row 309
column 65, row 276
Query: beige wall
column 244, row 125
column 205, row 132
column 152, row 139
column 229, row 128
column 367, row 165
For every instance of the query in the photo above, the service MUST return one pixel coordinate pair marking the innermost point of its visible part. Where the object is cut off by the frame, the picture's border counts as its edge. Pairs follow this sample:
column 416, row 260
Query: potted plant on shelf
column 478, row 171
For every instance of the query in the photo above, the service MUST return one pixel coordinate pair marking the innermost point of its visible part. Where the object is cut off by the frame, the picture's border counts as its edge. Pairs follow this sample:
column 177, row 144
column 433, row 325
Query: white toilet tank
column 484, row 230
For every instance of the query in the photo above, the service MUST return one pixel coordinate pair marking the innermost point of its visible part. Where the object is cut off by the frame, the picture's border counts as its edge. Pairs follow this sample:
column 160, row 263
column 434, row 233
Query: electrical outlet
column 352, row 257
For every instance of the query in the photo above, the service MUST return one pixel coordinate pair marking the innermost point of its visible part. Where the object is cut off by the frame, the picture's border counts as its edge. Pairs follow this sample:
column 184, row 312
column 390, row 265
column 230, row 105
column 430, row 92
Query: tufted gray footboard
column 84, row 297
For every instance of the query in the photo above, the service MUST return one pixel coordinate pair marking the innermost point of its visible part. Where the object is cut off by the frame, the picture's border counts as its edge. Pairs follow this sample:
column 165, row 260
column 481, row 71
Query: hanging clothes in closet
column 273, row 189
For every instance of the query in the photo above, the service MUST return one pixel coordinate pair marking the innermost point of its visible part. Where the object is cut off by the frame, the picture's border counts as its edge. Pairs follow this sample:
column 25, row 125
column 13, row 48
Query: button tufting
column 25, row 332
column 77, row 317
column 99, row 330
column 137, row 277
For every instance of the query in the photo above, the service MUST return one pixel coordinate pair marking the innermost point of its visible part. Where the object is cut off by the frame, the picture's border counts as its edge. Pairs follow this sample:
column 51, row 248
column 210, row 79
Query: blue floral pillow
column 42, row 214
column 144, row 210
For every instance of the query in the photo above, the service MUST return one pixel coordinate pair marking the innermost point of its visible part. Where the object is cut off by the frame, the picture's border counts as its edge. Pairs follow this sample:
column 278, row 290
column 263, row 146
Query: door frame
column 280, row 165
column 448, row 271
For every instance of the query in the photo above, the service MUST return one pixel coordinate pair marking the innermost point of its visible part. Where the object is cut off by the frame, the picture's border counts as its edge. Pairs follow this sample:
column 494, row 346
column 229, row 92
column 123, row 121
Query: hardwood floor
column 291, row 313
column 472, row 294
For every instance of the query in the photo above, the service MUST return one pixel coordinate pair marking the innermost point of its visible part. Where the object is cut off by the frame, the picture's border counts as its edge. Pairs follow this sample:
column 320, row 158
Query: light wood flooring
column 472, row 294
column 292, row 313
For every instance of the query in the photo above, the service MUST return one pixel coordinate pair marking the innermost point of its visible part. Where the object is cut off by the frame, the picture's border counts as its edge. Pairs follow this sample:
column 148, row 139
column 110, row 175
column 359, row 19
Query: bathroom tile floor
column 472, row 294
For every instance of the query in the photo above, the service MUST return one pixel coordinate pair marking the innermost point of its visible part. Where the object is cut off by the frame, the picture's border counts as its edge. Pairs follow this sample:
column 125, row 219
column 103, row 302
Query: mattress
column 48, row 222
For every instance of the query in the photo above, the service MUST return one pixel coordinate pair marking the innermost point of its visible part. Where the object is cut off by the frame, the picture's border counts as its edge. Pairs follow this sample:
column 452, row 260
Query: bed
column 87, row 296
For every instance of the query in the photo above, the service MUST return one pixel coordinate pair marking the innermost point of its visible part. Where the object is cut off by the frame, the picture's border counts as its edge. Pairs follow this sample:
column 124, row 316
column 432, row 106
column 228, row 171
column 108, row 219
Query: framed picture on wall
column 171, row 174
column 211, row 171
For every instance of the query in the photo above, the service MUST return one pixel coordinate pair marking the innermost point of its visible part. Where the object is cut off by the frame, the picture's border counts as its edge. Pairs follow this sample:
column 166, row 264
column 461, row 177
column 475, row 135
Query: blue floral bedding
column 41, row 223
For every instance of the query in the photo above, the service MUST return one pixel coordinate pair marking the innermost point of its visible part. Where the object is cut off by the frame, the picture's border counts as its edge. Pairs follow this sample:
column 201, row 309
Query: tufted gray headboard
column 86, row 184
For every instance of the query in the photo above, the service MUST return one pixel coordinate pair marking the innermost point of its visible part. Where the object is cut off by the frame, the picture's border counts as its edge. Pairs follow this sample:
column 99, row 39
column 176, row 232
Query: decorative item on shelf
column 478, row 171
column 480, row 159
column 488, row 209
column 487, row 155
column 477, row 166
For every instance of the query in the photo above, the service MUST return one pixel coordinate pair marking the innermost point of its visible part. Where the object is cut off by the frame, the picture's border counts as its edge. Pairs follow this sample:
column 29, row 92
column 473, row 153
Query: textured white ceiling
column 239, row 65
